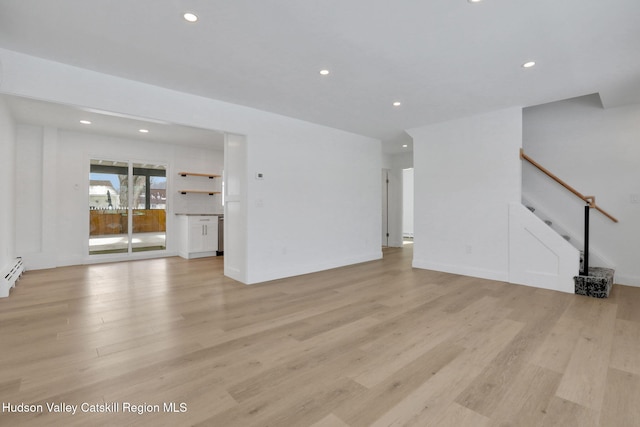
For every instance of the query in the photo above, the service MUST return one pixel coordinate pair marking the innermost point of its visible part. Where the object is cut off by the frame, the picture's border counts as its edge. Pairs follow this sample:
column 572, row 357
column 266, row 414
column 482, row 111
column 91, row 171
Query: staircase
column 538, row 255
column 547, row 221
column 598, row 282
column 595, row 282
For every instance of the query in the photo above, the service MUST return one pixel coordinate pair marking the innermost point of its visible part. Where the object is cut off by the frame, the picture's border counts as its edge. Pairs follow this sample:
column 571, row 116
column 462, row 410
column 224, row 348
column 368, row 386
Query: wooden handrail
column 605, row 213
column 591, row 200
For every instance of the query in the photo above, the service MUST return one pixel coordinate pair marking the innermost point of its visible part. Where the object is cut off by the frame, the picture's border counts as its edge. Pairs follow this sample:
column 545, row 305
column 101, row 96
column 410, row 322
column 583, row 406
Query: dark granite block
column 597, row 284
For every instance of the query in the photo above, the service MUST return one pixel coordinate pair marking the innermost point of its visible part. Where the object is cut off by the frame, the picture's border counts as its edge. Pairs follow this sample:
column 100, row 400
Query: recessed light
column 474, row 1
column 397, row 103
column 404, row 145
column 529, row 64
column 144, row 131
column 85, row 122
column 324, row 72
column 190, row 17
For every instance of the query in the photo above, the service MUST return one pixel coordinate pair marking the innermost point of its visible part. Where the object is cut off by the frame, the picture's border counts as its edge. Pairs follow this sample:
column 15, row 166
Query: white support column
column 235, row 207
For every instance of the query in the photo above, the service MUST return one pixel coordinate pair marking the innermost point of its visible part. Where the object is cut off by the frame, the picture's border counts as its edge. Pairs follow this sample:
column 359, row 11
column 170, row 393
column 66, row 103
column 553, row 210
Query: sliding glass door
column 149, row 207
column 127, row 207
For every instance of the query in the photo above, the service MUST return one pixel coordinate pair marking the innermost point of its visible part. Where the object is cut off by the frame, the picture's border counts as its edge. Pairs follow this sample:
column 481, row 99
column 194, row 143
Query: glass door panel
column 149, row 207
column 108, row 230
column 127, row 207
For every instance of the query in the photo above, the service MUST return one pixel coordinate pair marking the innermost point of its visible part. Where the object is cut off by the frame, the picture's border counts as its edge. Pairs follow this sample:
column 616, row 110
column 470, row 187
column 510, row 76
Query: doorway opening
column 397, row 207
column 407, row 206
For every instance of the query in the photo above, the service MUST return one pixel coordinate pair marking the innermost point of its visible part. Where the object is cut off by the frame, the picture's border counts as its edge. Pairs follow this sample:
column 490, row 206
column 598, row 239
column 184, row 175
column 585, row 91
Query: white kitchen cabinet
column 198, row 236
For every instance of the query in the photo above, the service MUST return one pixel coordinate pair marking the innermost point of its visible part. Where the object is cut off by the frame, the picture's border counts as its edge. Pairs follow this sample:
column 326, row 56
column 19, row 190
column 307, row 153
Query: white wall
column 398, row 161
column 7, row 186
column 29, row 198
column 314, row 176
column 53, row 164
column 595, row 150
column 318, row 205
column 467, row 171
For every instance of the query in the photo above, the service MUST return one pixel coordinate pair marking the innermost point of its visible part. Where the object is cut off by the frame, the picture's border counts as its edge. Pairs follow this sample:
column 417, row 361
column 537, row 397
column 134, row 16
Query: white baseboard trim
column 235, row 274
column 39, row 261
column 299, row 270
column 462, row 270
column 623, row 279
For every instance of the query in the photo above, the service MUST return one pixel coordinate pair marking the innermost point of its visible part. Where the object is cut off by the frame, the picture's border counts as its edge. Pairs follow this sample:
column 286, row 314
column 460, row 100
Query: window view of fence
column 127, row 207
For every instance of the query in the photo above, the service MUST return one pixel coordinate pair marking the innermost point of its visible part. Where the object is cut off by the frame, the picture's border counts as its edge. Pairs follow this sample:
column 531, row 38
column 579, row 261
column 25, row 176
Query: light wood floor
column 375, row 344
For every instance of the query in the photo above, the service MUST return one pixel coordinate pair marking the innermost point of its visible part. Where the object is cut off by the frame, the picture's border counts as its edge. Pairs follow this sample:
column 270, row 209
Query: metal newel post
column 585, row 271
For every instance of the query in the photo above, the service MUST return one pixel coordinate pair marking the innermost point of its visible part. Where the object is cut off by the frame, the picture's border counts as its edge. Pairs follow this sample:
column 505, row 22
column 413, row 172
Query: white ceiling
column 442, row 58
column 35, row 112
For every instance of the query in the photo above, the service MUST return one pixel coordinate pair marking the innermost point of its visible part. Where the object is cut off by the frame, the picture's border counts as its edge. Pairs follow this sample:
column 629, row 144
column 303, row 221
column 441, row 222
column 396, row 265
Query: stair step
column 566, row 237
column 549, row 223
column 531, row 208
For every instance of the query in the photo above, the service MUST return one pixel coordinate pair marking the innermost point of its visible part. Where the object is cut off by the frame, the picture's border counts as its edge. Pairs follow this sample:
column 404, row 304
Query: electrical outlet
column 634, row 198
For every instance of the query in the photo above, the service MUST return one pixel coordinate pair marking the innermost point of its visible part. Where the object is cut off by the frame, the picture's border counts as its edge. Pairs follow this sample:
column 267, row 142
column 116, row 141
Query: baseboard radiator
column 10, row 276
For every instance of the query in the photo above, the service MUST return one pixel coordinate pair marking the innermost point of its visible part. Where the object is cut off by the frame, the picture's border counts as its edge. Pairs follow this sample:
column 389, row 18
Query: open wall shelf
column 211, row 193
column 208, row 175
